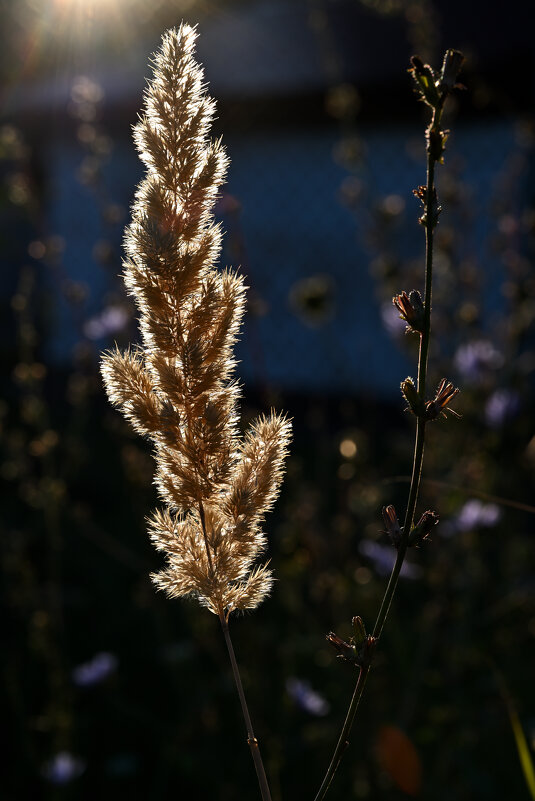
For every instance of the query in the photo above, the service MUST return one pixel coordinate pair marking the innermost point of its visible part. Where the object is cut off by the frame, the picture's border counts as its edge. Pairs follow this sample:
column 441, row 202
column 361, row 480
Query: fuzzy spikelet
column 177, row 388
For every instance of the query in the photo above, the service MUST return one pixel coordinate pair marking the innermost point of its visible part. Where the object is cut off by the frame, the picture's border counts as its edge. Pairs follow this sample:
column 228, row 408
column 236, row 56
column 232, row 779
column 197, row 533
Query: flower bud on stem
column 411, row 309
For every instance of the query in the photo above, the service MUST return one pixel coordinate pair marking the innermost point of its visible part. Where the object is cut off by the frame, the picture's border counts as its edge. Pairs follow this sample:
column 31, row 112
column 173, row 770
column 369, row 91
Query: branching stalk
column 434, row 93
column 423, row 357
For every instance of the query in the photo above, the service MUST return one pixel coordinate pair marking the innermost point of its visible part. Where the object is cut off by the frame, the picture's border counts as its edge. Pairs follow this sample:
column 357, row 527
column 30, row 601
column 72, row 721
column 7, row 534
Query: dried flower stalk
column 177, row 387
column 433, row 90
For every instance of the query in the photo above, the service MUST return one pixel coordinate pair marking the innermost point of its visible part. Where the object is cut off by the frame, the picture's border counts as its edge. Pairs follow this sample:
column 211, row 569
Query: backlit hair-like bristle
column 177, row 388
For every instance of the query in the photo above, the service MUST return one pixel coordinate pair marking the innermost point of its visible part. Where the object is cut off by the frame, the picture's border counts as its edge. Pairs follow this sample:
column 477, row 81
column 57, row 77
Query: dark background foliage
column 112, row 691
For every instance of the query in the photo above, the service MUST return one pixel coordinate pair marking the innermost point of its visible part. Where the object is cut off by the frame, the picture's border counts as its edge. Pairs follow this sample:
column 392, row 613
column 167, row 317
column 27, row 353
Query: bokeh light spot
column 348, row 448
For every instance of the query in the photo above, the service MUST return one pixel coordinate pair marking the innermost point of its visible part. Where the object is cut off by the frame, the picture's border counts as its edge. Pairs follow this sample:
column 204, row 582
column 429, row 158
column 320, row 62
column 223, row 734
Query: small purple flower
column 111, row 320
column 474, row 358
column 306, row 698
column 63, row 768
column 501, row 406
column 475, row 514
column 383, row 558
column 94, row 671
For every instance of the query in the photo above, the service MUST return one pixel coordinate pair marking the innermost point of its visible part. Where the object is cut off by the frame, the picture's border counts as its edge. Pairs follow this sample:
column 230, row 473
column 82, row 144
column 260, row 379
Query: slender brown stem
column 417, row 464
column 430, row 222
column 251, row 739
column 343, row 740
column 423, row 357
column 409, row 519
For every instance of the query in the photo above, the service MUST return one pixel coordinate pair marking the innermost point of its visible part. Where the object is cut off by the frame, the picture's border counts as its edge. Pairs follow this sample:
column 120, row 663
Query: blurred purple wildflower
column 501, row 406
column 63, row 768
column 474, row 358
column 306, row 698
column 383, row 558
column 94, row 671
column 109, row 321
column 474, row 514
column 391, row 319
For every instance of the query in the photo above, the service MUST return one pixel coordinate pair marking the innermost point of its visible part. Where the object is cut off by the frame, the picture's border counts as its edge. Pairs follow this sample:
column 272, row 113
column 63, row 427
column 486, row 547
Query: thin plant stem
column 251, row 739
column 343, row 740
column 423, row 358
column 417, row 465
column 409, row 517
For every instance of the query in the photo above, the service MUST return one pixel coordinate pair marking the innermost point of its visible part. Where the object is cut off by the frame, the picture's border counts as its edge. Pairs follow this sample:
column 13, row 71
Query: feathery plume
column 176, row 388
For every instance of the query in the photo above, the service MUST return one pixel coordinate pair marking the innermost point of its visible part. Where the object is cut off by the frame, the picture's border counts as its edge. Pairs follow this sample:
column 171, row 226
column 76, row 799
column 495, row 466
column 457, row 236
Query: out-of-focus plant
column 29, row 465
column 42, row 454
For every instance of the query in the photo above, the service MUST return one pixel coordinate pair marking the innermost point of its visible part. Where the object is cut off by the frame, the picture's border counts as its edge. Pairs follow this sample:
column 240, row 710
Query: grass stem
column 251, row 739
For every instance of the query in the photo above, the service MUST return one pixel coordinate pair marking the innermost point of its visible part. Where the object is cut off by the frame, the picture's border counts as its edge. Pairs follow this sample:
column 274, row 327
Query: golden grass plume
column 177, row 387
